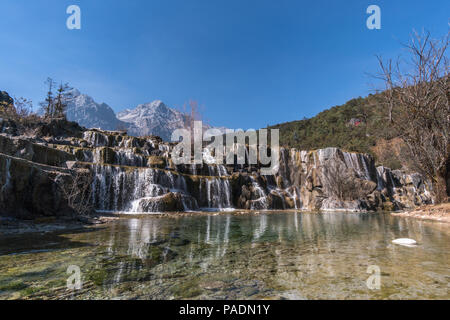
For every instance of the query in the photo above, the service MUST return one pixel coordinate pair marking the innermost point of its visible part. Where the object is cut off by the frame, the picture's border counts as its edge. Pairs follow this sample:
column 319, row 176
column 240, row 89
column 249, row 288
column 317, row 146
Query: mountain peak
column 88, row 113
column 75, row 92
column 152, row 118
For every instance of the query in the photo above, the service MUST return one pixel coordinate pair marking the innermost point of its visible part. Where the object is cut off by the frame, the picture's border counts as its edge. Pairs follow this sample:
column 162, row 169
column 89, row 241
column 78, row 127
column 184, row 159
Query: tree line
column 53, row 107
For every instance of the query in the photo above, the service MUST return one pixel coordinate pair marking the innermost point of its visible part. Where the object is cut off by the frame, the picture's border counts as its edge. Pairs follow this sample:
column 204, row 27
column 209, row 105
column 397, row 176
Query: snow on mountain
column 153, row 118
column 83, row 109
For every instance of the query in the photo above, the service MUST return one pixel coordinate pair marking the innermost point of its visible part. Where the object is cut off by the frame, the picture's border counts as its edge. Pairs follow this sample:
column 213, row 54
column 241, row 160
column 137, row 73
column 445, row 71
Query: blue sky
column 249, row 63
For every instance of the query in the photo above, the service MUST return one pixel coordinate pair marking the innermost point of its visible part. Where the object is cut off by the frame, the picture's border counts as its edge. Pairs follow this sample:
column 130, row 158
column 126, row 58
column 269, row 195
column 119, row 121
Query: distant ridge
column 153, row 118
column 83, row 109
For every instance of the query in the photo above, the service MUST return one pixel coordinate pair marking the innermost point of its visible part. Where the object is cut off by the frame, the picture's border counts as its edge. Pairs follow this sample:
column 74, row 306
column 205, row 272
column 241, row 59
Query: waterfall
column 380, row 181
column 7, row 183
column 129, row 158
column 293, row 196
column 88, row 156
column 218, row 193
column 118, row 189
column 389, row 173
column 96, row 139
column 354, row 161
column 128, row 184
column 366, row 169
column 261, row 201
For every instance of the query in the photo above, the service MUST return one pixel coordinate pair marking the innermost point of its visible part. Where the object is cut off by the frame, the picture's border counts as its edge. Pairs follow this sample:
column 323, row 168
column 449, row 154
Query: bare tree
column 340, row 181
column 191, row 113
column 23, row 107
column 418, row 99
column 76, row 189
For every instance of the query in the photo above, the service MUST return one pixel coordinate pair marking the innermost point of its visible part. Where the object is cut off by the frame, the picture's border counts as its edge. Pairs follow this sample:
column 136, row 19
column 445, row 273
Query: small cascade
column 357, row 162
column 391, row 179
column 88, row 156
column 96, row 139
column 128, row 177
column 293, row 195
column 380, row 180
column 138, row 190
column 385, row 179
column 97, row 156
column 222, row 171
column 217, row 170
column 261, row 198
column 129, row 158
column 7, row 183
column 366, row 169
column 218, row 193
column 165, row 149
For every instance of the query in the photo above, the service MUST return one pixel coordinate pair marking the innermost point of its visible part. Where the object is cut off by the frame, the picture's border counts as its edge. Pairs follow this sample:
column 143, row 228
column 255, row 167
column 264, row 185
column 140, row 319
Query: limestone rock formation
column 132, row 174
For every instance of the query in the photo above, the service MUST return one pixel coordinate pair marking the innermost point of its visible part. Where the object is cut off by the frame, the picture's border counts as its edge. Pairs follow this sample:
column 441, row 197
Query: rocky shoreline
column 440, row 212
column 13, row 226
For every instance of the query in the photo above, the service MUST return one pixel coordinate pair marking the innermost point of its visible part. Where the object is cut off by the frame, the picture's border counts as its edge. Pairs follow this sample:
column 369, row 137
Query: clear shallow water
column 265, row 256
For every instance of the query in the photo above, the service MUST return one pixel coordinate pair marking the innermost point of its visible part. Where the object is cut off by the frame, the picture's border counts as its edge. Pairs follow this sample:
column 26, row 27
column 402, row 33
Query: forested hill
column 358, row 125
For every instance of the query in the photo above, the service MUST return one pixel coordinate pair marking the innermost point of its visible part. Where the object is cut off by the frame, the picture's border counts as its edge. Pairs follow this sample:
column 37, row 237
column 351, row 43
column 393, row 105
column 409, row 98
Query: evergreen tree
column 48, row 104
column 55, row 106
column 61, row 100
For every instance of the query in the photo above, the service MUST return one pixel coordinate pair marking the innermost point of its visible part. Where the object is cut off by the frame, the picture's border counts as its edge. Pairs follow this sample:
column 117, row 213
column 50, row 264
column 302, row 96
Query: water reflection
column 290, row 255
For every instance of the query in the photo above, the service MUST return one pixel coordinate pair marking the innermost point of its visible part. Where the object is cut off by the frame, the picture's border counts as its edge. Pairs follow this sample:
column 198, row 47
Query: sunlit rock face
column 135, row 175
column 331, row 179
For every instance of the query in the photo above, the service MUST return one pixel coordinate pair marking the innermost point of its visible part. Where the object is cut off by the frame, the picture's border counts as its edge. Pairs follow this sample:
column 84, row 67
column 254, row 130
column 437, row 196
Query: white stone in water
column 405, row 241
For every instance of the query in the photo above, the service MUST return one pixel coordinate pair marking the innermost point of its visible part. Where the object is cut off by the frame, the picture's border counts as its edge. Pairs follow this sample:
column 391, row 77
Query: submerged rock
column 405, row 241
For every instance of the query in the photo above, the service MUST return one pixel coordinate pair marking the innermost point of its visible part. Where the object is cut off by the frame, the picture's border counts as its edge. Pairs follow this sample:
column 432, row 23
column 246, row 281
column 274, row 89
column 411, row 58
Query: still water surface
column 286, row 255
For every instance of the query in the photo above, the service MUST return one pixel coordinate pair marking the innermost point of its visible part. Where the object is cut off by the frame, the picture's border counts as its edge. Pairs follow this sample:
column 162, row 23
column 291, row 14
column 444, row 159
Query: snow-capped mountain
column 153, row 118
column 83, row 109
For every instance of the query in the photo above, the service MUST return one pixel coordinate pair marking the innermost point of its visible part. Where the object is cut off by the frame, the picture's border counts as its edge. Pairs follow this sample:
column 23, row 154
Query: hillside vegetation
column 360, row 125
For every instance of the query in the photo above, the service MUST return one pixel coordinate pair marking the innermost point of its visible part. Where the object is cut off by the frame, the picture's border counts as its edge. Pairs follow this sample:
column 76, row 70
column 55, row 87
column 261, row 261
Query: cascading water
column 261, row 198
column 129, row 158
column 123, row 180
column 218, row 193
column 118, row 189
column 7, row 183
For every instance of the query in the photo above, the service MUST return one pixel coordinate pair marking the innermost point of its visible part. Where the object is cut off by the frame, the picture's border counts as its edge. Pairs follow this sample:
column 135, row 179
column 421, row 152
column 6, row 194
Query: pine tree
column 55, row 106
column 48, row 104
column 62, row 97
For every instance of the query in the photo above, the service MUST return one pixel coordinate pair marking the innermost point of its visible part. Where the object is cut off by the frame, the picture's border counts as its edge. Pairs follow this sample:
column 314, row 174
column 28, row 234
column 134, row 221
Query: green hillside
column 355, row 126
